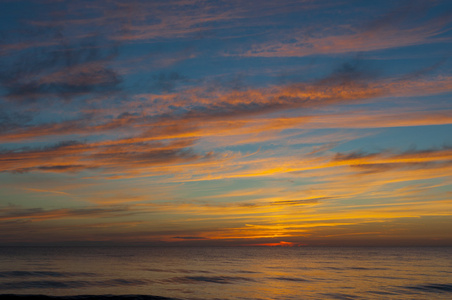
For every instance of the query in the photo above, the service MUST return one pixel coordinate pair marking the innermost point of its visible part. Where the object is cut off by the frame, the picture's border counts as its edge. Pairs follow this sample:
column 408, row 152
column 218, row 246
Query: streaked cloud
column 225, row 122
column 406, row 25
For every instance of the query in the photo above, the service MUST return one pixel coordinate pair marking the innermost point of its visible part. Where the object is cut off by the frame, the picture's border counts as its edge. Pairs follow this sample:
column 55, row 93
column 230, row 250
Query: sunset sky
column 226, row 122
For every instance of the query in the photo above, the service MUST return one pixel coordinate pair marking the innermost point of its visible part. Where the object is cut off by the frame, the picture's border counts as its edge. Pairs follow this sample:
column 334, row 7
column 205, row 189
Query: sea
column 249, row 273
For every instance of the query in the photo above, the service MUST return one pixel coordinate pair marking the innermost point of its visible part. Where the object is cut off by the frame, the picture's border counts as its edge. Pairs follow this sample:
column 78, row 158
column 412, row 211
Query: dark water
column 229, row 273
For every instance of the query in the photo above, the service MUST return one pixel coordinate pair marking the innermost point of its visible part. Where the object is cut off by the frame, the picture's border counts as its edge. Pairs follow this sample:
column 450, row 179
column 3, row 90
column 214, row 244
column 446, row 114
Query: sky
column 226, row 122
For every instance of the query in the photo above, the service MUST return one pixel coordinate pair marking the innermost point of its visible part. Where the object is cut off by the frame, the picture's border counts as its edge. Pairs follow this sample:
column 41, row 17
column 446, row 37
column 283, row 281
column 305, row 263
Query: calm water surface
column 230, row 273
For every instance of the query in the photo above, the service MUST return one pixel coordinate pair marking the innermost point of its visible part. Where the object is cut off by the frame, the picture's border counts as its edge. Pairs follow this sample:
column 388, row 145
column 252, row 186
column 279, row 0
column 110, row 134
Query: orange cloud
column 279, row 244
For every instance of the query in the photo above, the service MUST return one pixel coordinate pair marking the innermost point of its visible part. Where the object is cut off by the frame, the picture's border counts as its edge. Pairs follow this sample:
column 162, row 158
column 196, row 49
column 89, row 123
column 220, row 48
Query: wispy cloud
column 404, row 26
column 73, row 156
column 211, row 115
column 60, row 73
column 377, row 162
column 38, row 214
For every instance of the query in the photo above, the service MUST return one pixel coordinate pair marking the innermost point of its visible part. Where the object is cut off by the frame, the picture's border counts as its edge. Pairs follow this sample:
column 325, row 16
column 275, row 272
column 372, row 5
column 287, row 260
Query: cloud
column 144, row 20
column 404, row 26
column 12, row 121
column 381, row 119
column 14, row 212
column 299, row 202
column 343, row 87
column 150, row 130
column 189, row 237
column 62, row 72
column 87, row 95
column 121, row 155
column 168, row 136
column 166, row 82
column 386, row 160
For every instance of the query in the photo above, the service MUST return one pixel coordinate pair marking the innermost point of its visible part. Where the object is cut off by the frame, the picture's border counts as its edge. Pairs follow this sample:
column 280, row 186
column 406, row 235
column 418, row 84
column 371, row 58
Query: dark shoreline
column 84, row 297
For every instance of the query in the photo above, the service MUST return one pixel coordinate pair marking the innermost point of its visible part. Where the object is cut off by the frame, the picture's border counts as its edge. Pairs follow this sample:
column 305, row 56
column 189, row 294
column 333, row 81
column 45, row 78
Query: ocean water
column 229, row 273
